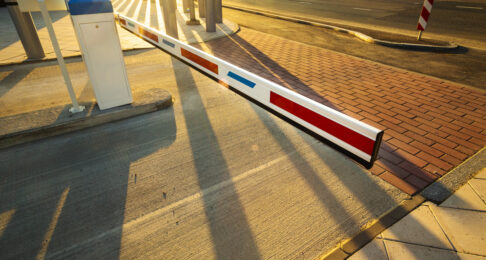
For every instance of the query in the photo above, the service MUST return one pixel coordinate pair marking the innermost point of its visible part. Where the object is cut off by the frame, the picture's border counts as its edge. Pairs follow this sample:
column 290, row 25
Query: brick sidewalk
column 431, row 125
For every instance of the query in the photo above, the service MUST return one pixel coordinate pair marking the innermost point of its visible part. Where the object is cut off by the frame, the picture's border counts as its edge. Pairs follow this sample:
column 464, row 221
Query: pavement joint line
column 416, row 244
column 359, row 35
column 460, row 176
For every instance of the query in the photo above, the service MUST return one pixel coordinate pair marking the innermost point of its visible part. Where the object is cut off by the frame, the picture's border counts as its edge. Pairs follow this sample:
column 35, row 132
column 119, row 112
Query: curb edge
column 436, row 192
column 39, row 133
column 359, row 35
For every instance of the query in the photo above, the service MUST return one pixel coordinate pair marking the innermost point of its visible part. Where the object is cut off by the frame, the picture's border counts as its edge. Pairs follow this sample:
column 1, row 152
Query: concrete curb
column 361, row 36
column 66, row 57
column 437, row 192
column 145, row 102
column 444, row 187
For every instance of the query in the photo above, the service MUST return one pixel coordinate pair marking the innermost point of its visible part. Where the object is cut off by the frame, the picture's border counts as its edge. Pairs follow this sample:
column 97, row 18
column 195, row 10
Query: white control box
column 98, row 39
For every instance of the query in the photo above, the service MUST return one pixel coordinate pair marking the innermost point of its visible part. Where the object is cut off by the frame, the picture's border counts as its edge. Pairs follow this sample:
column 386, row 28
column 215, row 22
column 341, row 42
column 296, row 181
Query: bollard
column 193, row 20
column 186, row 6
column 170, row 18
column 210, row 16
column 218, row 11
column 202, row 8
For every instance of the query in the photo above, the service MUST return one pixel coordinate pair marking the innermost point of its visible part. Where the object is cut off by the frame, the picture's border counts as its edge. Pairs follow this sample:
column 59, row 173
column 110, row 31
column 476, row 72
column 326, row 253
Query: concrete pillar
column 26, row 30
column 170, row 19
column 193, row 20
column 218, row 9
column 202, row 8
column 186, row 5
column 210, row 16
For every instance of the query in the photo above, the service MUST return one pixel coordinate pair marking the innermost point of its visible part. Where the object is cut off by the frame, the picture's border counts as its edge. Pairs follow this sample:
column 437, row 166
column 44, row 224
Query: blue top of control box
column 79, row 7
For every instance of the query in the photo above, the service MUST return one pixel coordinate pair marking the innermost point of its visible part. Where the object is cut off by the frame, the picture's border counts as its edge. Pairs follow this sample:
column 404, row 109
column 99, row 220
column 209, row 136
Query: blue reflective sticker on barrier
column 241, row 79
column 131, row 24
column 168, row 43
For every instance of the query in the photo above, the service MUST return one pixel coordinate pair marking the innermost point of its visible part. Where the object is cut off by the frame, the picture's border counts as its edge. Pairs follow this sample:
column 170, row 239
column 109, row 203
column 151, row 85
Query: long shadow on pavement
column 14, row 77
column 232, row 237
column 68, row 193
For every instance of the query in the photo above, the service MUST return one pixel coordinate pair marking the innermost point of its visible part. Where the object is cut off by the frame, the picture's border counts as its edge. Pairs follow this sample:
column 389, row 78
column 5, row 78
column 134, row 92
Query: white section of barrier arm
column 262, row 90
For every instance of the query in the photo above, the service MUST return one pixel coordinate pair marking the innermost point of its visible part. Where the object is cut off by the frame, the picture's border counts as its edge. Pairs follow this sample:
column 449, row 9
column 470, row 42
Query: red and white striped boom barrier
column 356, row 138
column 424, row 16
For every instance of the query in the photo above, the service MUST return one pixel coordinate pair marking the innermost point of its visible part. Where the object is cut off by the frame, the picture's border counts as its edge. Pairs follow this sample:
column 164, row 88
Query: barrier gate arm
column 356, row 138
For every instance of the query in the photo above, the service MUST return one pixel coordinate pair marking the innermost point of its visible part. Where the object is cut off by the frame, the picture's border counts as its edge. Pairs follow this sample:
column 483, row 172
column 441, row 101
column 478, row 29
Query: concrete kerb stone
column 444, row 187
column 359, row 35
column 66, row 57
column 374, row 228
column 144, row 102
column 437, row 192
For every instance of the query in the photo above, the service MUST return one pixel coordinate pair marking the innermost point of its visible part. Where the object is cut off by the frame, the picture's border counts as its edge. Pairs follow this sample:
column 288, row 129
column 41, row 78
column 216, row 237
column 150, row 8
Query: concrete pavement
column 452, row 230
column 214, row 176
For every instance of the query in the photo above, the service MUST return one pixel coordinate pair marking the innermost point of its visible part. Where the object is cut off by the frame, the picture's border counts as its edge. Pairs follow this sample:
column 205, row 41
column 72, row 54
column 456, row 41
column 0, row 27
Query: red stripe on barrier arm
column 122, row 21
column 420, row 28
column 149, row 35
column 341, row 132
column 200, row 60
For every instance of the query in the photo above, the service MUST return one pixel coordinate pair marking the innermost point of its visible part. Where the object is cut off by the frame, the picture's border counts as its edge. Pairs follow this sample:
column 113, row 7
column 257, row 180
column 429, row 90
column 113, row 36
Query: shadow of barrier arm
column 355, row 138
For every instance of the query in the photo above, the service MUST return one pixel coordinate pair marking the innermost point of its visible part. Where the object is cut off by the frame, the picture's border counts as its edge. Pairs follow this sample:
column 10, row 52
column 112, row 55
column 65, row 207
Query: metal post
column 419, row 35
column 170, row 19
column 185, row 6
column 26, row 30
column 193, row 20
column 210, row 16
column 219, row 11
column 55, row 45
column 201, row 4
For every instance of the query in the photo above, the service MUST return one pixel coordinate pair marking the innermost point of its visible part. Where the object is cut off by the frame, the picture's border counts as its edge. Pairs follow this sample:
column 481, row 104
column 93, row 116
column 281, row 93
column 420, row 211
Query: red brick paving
column 431, row 125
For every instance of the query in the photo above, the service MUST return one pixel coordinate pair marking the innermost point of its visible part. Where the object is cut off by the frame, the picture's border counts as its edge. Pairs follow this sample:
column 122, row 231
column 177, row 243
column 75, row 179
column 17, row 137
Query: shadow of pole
column 228, row 224
column 69, row 192
column 12, row 79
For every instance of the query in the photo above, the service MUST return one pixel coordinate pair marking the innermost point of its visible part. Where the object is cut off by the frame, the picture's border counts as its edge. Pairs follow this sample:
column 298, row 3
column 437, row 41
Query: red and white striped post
column 424, row 17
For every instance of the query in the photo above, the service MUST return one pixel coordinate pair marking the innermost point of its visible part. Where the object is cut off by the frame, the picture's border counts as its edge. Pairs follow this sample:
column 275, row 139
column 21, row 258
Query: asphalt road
column 214, row 176
column 462, row 21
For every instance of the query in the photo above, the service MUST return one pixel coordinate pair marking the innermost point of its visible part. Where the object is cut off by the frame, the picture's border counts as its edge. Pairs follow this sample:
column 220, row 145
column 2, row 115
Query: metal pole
column 419, row 35
column 219, row 11
column 170, row 19
column 201, row 4
column 55, row 45
column 26, row 30
column 193, row 20
column 185, row 6
column 210, row 16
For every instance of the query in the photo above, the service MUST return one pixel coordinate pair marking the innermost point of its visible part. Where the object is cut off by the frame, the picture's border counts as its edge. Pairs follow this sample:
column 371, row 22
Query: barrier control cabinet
column 98, row 39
